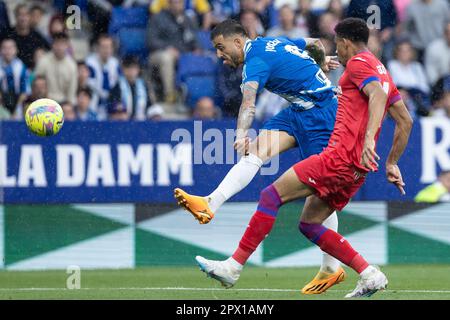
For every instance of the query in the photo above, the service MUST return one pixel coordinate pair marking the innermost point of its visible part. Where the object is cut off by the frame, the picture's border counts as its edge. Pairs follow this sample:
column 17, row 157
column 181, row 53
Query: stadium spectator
column 287, row 26
column 223, row 9
column 5, row 26
column 117, row 112
column 336, row 7
column 405, row 70
column 131, row 90
column 4, row 112
column 409, row 101
column 251, row 22
column 39, row 19
column 441, row 97
column 27, row 39
column 56, row 25
column 306, row 20
column 424, row 22
column 13, row 77
column 82, row 108
column 438, row 191
column 260, row 7
column 104, row 70
column 437, row 57
column 171, row 32
column 69, row 111
column 326, row 23
column 229, row 82
column 39, row 89
column 60, row 70
column 37, row 56
column 205, row 109
column 83, row 75
column 197, row 10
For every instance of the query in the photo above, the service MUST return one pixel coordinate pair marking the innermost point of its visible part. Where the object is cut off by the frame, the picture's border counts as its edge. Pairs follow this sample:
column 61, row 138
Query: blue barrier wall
column 143, row 161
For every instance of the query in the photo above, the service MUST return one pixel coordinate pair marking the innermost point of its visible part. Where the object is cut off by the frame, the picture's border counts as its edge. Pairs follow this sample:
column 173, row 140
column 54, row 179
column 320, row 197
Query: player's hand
column 241, row 145
column 369, row 157
column 394, row 176
column 330, row 63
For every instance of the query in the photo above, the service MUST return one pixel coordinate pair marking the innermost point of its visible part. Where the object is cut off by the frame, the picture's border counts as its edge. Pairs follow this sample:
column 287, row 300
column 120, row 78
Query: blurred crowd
column 152, row 59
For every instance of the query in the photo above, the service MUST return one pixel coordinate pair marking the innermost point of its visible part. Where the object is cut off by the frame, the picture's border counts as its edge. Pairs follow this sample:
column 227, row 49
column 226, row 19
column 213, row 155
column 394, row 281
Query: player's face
column 342, row 50
column 230, row 49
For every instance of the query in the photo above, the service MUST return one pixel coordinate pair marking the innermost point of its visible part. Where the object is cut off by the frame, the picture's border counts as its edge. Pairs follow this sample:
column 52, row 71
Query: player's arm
column 403, row 127
column 377, row 102
column 246, row 116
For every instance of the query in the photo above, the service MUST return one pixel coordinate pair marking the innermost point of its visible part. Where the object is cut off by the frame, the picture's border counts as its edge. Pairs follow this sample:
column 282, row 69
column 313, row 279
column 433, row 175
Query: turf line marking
column 204, row 289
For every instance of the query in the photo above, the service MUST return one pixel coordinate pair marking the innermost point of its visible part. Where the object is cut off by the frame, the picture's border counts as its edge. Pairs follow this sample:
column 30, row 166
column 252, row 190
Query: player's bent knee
column 269, row 201
column 253, row 159
column 312, row 231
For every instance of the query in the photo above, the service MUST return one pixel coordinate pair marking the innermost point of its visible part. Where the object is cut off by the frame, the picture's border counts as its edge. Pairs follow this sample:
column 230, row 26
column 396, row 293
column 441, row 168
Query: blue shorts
column 311, row 128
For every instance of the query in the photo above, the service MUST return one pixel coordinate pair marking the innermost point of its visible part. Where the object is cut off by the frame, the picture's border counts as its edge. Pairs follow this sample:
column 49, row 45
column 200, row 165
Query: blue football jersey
column 283, row 67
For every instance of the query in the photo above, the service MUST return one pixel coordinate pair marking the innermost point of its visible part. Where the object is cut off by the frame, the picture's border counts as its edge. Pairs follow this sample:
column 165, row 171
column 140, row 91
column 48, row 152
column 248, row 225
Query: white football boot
column 370, row 283
column 222, row 271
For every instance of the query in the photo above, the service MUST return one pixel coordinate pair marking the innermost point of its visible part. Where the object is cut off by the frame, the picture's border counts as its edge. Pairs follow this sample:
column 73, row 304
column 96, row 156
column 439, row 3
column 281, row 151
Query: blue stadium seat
column 134, row 17
column 197, row 76
column 133, row 41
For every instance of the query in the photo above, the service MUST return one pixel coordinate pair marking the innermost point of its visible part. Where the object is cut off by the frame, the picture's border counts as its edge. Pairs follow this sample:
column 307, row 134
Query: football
column 44, row 117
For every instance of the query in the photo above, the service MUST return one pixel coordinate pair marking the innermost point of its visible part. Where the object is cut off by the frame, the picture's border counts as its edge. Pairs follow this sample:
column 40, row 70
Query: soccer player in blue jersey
column 285, row 68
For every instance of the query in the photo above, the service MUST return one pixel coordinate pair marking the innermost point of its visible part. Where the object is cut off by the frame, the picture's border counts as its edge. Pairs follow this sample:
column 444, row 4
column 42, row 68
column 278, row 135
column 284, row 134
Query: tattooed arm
column 246, row 116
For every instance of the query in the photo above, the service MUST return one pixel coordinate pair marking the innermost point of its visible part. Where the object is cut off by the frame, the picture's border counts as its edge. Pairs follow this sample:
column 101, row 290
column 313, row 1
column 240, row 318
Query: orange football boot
column 197, row 206
column 324, row 280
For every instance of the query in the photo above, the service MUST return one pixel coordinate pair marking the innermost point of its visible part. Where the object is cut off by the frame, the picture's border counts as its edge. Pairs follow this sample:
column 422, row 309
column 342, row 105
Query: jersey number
column 295, row 50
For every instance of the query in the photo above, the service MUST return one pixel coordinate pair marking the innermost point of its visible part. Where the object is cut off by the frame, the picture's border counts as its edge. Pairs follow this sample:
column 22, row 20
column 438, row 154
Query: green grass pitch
column 405, row 282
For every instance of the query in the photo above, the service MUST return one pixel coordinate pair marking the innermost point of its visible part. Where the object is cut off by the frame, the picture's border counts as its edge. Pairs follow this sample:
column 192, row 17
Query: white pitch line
column 204, row 289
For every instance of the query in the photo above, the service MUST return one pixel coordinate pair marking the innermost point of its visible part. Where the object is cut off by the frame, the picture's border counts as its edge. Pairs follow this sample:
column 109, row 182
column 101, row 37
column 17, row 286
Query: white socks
column 367, row 272
column 329, row 263
column 234, row 264
column 237, row 179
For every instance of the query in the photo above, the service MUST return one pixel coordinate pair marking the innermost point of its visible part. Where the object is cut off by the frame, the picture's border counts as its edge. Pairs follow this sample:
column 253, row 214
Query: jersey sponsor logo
column 312, row 180
column 381, row 69
column 270, row 46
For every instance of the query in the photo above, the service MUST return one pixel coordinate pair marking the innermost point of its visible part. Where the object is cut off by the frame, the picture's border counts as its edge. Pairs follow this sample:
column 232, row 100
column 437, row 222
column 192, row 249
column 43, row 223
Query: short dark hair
column 316, row 53
column 85, row 91
column 353, row 29
column 60, row 36
column 21, row 6
column 39, row 77
column 130, row 61
column 227, row 28
column 37, row 6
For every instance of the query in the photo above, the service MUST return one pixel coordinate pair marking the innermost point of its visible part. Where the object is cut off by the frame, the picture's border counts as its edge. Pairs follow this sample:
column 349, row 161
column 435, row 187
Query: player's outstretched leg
column 228, row 271
column 314, row 213
column 267, row 145
column 330, row 272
